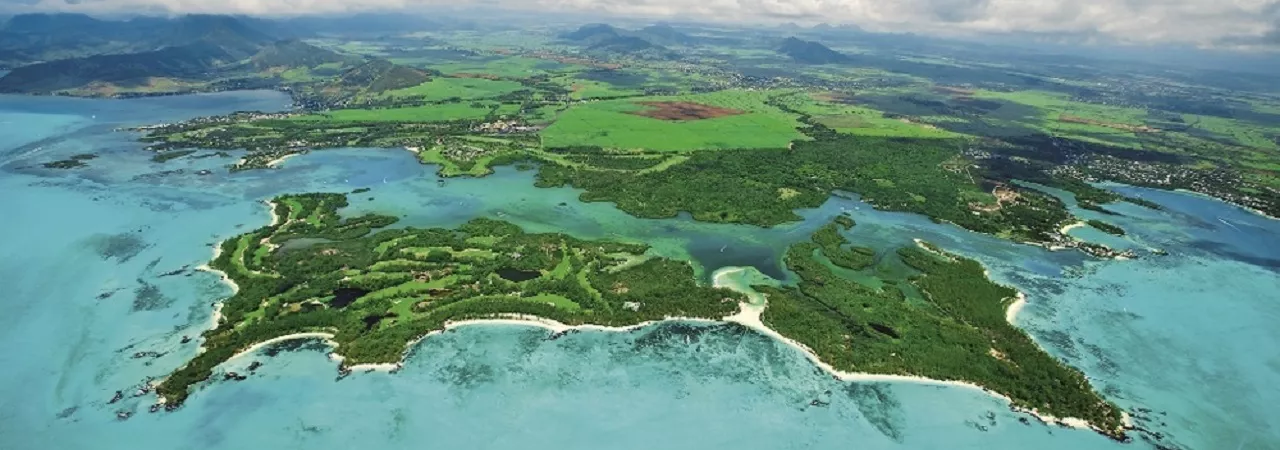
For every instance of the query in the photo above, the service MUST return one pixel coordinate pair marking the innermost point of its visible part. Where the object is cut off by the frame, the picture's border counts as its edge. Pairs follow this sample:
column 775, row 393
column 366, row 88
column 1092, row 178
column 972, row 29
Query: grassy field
column 588, row 89
column 427, row 113
column 1244, row 133
column 461, row 88
column 861, row 121
column 1058, row 115
column 510, row 67
column 613, row 124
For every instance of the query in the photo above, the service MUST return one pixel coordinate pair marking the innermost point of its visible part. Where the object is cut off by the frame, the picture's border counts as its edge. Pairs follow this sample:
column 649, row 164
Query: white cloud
column 1139, row 21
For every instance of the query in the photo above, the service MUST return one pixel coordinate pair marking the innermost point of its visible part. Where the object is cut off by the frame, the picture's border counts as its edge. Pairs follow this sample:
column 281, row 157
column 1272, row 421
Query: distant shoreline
column 1210, row 197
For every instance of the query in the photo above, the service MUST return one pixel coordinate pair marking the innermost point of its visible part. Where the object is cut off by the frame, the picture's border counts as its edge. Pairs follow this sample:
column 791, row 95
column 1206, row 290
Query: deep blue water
column 1189, row 336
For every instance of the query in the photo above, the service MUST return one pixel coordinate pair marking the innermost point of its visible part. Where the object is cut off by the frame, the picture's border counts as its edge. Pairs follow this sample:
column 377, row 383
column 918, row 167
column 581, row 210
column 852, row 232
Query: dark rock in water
column 119, row 395
column 185, row 339
column 564, row 333
column 139, row 355
column 147, row 297
column 232, row 376
column 1024, row 421
column 124, row 415
column 154, row 408
column 107, row 294
column 65, row 413
column 204, row 172
column 817, row 402
column 254, row 366
column 178, row 271
column 172, row 407
column 121, row 247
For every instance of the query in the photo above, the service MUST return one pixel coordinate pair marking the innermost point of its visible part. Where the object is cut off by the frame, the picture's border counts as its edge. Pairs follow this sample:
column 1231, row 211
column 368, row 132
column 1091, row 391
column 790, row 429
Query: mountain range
column 72, row 53
column 647, row 42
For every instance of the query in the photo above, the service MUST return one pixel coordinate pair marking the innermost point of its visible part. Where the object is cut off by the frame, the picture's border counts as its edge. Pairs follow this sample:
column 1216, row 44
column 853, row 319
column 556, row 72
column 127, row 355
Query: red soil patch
column 685, row 111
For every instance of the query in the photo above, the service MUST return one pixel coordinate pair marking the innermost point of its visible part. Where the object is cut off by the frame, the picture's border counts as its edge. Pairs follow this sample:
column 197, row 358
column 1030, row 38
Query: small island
column 73, row 162
column 1106, row 227
column 373, row 292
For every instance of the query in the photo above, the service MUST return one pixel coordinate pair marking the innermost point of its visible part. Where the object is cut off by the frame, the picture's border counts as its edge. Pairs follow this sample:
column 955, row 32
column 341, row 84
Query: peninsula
column 374, row 292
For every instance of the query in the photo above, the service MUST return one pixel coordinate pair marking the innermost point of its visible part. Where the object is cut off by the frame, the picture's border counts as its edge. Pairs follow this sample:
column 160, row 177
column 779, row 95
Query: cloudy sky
column 1201, row 22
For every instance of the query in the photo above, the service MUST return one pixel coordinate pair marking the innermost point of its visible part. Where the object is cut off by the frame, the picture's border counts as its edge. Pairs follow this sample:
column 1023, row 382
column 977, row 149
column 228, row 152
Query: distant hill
column 295, row 53
column 29, row 38
column 193, row 61
column 34, row 38
column 381, row 75
column 809, row 52
column 593, row 32
column 666, row 35
column 54, row 23
column 606, row 38
column 231, row 34
column 197, row 48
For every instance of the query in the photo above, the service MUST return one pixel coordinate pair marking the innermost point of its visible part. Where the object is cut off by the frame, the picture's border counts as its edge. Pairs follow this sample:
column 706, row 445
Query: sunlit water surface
column 1188, row 341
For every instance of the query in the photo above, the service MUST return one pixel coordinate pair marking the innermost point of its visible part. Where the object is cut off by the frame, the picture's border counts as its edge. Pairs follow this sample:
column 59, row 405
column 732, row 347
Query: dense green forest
column 957, row 331
column 765, row 186
column 1106, row 227
column 376, row 290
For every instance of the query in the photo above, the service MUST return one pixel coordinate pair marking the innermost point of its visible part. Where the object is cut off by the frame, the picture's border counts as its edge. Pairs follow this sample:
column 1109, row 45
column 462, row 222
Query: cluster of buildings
column 503, row 127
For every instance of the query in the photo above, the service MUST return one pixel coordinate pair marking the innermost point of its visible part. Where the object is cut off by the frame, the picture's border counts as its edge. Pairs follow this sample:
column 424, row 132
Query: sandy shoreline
column 280, row 160
column 1068, row 228
column 216, row 317
column 1016, row 307
column 217, row 251
column 275, row 218
column 749, row 315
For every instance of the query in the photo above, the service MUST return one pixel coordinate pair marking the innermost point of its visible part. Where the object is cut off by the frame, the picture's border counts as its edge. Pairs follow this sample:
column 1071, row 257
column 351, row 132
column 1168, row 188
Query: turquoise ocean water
column 96, row 268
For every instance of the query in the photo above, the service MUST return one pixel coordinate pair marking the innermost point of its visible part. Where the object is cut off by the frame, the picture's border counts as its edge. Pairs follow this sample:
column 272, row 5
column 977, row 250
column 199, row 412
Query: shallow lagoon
column 1189, row 336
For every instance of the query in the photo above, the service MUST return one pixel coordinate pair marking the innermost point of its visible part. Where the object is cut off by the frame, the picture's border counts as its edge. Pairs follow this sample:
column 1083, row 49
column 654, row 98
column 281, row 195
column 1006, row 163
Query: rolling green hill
column 195, row 61
column 809, row 52
column 295, row 53
column 195, row 48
